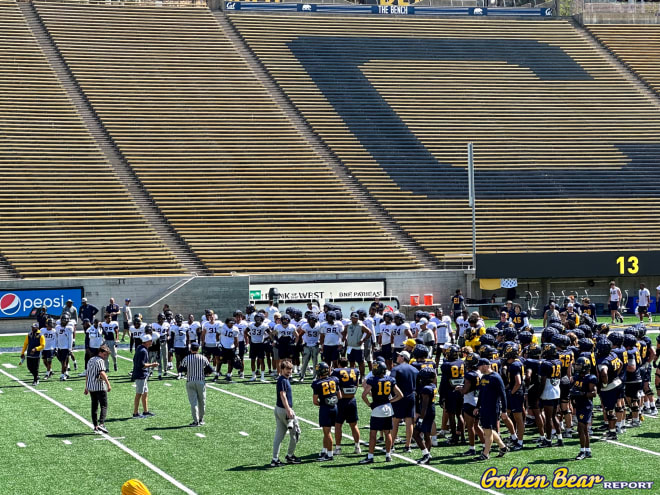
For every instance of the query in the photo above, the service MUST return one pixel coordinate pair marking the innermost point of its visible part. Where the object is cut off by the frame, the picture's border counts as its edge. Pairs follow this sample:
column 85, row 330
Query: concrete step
column 143, row 201
column 352, row 185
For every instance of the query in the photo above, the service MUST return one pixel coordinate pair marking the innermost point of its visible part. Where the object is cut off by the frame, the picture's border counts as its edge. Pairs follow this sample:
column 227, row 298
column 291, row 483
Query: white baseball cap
column 146, row 338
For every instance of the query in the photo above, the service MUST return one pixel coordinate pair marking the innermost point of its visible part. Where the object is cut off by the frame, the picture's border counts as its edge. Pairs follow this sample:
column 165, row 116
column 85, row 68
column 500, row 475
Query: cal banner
column 320, row 290
column 22, row 303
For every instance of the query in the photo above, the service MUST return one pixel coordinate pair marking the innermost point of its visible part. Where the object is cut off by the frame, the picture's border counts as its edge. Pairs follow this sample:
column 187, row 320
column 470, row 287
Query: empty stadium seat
column 64, row 212
column 566, row 149
column 224, row 165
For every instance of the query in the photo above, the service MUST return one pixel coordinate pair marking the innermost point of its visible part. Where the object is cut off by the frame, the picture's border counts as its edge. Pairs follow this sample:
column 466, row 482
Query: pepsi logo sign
column 10, row 304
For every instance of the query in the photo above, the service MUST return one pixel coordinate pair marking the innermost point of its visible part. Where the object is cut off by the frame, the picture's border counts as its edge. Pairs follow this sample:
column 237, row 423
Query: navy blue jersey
column 501, row 325
column 580, row 387
column 348, row 379
column 406, row 378
column 589, row 310
column 457, row 303
column 550, row 369
column 622, row 354
column 495, row 365
column 613, row 365
column 514, row 369
column 644, row 346
column 283, row 385
column 566, row 358
column 634, row 357
column 381, row 389
column 424, row 363
column 453, row 373
column 518, row 320
column 491, row 391
column 591, row 357
column 575, row 351
column 535, row 379
column 428, row 391
column 326, row 389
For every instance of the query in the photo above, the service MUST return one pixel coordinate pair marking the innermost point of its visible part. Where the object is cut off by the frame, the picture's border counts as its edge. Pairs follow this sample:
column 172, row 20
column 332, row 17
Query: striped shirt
column 94, row 368
column 194, row 365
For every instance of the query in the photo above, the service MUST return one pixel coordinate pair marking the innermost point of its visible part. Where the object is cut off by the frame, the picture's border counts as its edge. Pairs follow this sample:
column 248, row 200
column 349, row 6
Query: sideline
column 112, row 440
column 394, row 454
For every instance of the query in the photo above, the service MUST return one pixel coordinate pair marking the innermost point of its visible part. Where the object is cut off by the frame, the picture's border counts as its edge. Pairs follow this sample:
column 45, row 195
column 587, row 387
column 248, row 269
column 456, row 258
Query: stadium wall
column 223, row 294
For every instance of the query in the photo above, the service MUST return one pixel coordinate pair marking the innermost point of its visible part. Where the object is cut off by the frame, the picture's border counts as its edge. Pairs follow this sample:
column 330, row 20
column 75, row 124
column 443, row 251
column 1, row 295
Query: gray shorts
column 141, row 386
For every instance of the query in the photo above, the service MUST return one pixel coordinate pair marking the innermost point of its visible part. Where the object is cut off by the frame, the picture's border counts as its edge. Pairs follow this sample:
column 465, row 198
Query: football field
column 48, row 445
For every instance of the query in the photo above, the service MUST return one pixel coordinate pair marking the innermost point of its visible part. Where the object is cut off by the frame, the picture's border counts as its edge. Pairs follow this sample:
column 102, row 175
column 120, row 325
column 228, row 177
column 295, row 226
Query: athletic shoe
column 434, row 442
column 367, row 460
column 581, row 456
column 324, row 458
column 357, row 450
column 568, row 433
column 426, row 459
column 635, row 423
column 292, row 459
column 337, row 451
column 517, row 447
column 62, row 377
column 102, row 429
column 201, row 423
column 84, row 373
column 560, row 442
column 653, row 412
column 115, row 367
column 470, row 452
column 399, row 440
column 178, row 377
column 407, row 450
column 263, row 380
column 502, row 452
column 254, row 378
column 194, row 423
column 228, row 379
column 452, row 442
column 611, row 435
column 241, row 375
column 160, row 376
column 137, row 416
column 215, row 379
column 96, row 430
column 620, row 430
column 545, row 443
column 588, row 456
column 276, row 463
column 75, row 366
column 35, row 383
column 388, row 458
column 148, row 414
column 170, row 366
column 482, row 457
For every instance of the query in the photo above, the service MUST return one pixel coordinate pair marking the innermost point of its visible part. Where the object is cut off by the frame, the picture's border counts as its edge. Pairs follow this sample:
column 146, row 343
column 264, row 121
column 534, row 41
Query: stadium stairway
column 166, row 233
column 221, row 160
column 63, row 210
column 341, row 171
column 561, row 133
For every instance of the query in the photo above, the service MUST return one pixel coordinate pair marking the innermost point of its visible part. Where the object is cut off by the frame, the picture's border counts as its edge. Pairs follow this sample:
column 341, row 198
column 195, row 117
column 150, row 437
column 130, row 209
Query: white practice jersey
column 192, row 330
column 50, row 338
column 386, row 333
column 241, row 330
column 227, row 336
column 65, row 336
column 110, row 330
column 399, row 335
column 257, row 333
column 95, row 337
column 180, row 333
column 332, row 332
column 311, row 335
column 212, row 332
column 137, row 333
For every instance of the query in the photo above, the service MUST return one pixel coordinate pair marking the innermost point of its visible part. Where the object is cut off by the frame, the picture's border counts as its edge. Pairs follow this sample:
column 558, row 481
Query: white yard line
column 123, row 447
column 200, row 435
column 242, row 433
column 633, row 447
column 8, row 365
column 66, row 442
column 156, row 437
column 21, row 444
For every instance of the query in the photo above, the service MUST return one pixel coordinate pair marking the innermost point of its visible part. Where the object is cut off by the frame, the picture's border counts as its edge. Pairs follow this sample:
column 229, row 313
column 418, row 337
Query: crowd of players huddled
column 545, row 380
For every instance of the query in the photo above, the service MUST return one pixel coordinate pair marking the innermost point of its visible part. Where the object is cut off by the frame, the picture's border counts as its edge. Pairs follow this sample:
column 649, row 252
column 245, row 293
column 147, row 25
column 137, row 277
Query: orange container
column 428, row 299
column 414, row 299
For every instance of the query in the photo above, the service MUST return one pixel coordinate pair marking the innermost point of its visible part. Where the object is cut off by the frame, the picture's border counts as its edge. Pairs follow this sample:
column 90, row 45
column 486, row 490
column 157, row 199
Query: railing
column 138, row 3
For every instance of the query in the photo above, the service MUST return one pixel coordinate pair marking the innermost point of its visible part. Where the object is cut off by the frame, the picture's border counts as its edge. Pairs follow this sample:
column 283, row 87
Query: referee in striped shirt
column 98, row 386
column 196, row 367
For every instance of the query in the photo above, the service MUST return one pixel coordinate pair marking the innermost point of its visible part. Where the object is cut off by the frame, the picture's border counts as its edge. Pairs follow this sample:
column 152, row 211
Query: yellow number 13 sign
column 628, row 265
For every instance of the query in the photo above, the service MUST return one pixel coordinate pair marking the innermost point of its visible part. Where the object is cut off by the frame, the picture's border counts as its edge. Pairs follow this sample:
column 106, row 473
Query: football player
column 520, row 318
column 648, row 356
column 633, row 388
column 380, row 387
column 347, row 411
column 241, row 325
column 135, row 331
column 385, row 338
column 452, row 376
column 110, row 331
column 470, row 391
column 617, row 348
column 582, row 393
column 210, row 333
column 326, row 396
column 609, row 367
column 255, row 334
column 562, row 343
column 355, row 334
column 65, row 338
column 424, row 413
column 181, row 341
column 532, row 364
column 400, row 333
column 331, row 332
column 515, row 391
column 228, row 347
column 550, row 373
column 491, row 398
column 309, row 333
column 194, row 329
column 50, row 345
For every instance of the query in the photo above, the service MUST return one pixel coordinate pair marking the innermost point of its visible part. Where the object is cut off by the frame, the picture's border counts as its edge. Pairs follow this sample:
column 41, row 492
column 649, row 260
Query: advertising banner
column 20, row 303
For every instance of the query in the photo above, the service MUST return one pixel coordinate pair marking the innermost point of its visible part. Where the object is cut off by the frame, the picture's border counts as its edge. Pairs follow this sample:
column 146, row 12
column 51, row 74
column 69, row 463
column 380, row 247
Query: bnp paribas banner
column 21, row 303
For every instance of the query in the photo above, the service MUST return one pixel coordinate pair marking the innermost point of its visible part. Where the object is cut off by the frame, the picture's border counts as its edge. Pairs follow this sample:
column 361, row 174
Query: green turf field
column 236, row 447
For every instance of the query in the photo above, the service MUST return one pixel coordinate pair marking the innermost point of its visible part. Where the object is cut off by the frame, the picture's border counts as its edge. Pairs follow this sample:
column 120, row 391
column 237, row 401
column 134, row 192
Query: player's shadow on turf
column 71, row 435
column 554, row 460
column 649, row 434
column 115, row 420
column 180, row 427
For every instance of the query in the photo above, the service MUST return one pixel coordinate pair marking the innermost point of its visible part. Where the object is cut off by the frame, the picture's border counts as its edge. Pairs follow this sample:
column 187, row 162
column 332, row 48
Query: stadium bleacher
column 563, row 143
column 636, row 45
column 224, row 165
column 64, row 211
